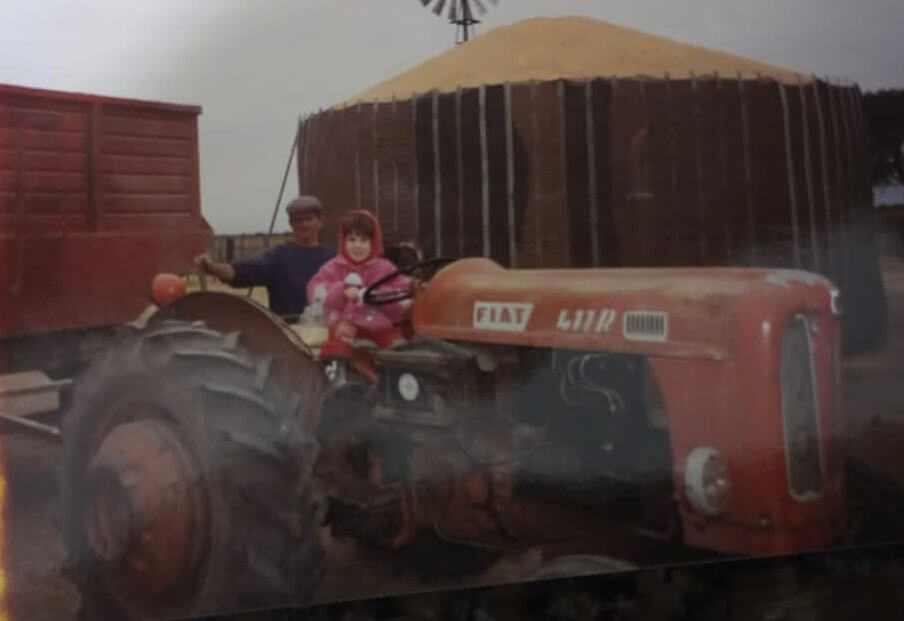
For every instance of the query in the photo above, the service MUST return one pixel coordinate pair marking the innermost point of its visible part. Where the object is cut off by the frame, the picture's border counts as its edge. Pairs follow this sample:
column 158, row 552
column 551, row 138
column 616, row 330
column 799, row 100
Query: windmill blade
column 438, row 9
column 426, row 2
column 453, row 11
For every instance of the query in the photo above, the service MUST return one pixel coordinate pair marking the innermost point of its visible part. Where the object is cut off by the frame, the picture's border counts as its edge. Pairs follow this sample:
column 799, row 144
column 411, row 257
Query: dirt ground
column 36, row 591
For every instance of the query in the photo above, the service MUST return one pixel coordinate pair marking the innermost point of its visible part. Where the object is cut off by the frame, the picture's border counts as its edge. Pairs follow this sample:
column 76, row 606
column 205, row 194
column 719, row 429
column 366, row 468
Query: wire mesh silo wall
column 616, row 172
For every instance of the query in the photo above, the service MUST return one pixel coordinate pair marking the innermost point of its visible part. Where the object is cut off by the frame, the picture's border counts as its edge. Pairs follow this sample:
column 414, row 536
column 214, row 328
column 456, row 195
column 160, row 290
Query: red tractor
column 204, row 454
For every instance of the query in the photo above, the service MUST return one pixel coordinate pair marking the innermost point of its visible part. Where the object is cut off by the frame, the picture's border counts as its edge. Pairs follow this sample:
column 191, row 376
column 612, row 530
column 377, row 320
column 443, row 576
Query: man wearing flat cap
column 285, row 269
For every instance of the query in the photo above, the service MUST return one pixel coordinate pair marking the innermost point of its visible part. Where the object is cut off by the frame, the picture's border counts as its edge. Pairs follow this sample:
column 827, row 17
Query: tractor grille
column 800, row 411
column 646, row 326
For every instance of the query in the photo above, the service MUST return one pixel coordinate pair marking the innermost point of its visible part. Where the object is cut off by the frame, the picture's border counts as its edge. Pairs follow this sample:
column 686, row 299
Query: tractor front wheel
column 187, row 482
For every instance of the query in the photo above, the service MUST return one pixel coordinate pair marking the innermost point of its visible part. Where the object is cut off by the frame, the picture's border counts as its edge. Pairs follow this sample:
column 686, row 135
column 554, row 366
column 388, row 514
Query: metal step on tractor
column 206, row 454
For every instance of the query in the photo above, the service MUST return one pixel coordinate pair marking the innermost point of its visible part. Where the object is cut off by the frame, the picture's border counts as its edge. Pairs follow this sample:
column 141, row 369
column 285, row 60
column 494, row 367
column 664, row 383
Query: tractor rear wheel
column 187, row 482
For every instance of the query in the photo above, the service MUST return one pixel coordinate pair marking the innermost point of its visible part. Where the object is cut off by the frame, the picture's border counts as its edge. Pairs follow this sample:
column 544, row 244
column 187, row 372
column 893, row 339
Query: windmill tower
column 461, row 13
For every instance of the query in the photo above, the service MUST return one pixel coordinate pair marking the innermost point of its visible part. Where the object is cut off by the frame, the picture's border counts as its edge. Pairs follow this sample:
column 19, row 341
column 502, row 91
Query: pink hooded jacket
column 330, row 283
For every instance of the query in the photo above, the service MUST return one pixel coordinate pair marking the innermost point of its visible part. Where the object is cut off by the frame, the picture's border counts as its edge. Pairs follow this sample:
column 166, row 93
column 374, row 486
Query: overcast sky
column 256, row 65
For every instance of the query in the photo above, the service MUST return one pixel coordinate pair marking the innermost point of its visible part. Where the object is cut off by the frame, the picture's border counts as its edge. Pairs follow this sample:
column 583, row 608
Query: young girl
column 341, row 283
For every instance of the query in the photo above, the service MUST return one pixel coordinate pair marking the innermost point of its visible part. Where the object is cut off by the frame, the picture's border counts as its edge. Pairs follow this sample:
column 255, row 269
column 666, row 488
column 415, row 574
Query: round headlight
column 706, row 481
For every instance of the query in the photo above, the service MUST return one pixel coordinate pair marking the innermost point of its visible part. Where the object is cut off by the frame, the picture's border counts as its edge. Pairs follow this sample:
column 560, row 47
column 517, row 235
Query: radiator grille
column 646, row 326
column 800, row 411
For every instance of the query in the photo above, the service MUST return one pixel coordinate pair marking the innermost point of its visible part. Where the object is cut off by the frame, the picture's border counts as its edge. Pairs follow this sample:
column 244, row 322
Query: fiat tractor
column 207, row 458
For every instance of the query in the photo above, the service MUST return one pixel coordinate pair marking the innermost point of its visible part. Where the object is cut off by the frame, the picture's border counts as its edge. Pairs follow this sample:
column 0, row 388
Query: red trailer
column 97, row 194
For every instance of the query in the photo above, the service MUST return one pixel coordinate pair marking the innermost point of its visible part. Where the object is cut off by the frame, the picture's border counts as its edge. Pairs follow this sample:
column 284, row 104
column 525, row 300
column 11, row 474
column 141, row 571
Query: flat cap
column 303, row 206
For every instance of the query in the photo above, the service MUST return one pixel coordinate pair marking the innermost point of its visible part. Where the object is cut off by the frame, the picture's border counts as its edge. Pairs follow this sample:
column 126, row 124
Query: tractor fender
column 262, row 333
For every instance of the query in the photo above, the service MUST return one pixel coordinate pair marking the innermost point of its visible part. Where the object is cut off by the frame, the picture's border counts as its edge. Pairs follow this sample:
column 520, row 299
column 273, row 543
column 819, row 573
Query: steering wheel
column 371, row 296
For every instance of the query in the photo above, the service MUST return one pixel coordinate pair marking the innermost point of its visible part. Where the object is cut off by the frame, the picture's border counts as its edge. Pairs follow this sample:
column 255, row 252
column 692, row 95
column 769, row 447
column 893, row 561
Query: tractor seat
column 313, row 335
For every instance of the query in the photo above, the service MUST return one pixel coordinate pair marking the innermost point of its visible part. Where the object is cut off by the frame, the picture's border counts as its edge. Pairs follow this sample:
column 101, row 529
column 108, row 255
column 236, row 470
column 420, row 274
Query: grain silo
column 573, row 142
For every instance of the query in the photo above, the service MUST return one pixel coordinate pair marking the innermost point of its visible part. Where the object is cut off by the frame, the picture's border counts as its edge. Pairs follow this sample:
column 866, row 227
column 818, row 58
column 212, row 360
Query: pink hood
column 329, row 285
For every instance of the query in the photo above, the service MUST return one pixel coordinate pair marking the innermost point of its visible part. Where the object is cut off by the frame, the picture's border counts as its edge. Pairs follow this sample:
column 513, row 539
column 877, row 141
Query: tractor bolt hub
column 144, row 514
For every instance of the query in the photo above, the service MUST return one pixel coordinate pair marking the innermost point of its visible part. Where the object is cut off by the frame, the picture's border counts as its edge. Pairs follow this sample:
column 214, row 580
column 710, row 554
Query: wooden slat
column 395, row 170
column 744, row 116
column 536, row 196
column 60, row 202
column 42, row 119
column 303, row 149
column 53, row 182
column 119, row 145
column 357, row 157
column 28, row 96
column 7, row 202
column 722, row 179
column 44, row 202
column 561, row 119
column 769, row 172
column 850, row 194
column 576, row 201
column 831, row 264
column 375, row 137
column 143, row 165
column 789, row 160
column 714, row 207
column 603, row 130
column 365, row 153
column 384, row 181
column 146, row 203
column 460, row 177
column 691, row 210
column 485, row 174
column 698, row 168
column 416, row 176
column 437, row 177
column 732, row 195
column 113, row 125
column 94, row 149
column 592, row 179
column 525, row 162
column 9, row 159
column 808, row 177
column 550, row 176
column 841, row 239
column 450, row 223
column 7, row 180
column 511, row 222
column 426, row 171
column 32, row 139
column 672, row 193
column 144, row 184
column 49, row 161
column 496, row 154
column 175, row 221
column 472, row 168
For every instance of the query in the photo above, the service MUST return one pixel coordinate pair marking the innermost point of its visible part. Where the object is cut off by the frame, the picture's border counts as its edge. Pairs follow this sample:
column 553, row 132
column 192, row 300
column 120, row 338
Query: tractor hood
column 676, row 312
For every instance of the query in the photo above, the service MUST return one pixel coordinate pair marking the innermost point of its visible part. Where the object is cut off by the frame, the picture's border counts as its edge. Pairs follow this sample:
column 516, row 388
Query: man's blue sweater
column 285, row 271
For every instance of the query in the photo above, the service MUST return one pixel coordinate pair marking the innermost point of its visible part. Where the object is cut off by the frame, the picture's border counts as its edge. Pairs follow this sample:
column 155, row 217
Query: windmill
column 461, row 13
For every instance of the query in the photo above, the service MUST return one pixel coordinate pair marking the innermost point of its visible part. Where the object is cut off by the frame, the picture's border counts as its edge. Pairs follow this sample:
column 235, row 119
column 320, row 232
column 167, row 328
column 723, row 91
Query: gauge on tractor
column 409, row 388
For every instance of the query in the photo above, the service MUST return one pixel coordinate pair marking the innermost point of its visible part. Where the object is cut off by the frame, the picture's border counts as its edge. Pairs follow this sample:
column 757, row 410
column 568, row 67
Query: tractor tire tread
column 251, row 445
